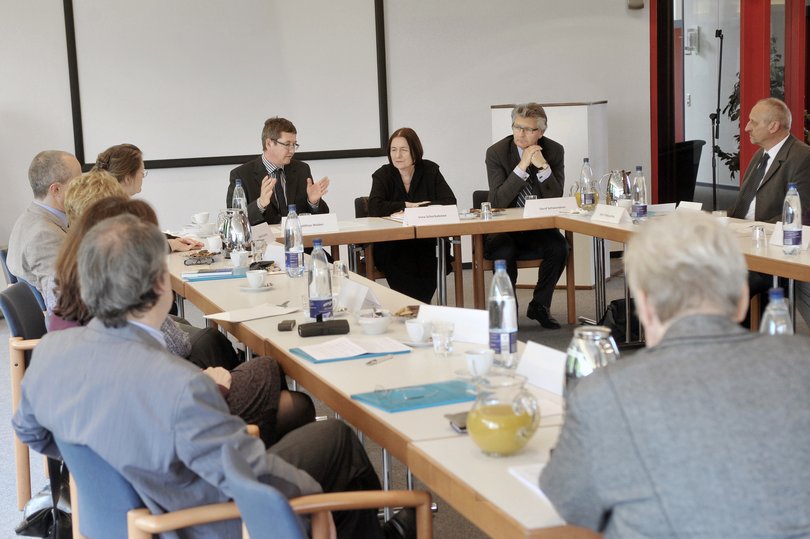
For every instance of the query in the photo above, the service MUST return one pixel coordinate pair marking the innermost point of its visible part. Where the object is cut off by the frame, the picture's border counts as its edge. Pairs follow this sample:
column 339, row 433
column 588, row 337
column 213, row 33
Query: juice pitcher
column 505, row 415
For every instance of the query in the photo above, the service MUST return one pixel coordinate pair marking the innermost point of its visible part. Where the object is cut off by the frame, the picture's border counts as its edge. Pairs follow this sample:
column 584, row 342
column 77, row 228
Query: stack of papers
column 344, row 348
column 209, row 274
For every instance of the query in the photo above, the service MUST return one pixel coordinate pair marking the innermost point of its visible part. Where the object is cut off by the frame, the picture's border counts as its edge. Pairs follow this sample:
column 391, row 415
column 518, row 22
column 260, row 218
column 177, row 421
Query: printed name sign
column 431, row 215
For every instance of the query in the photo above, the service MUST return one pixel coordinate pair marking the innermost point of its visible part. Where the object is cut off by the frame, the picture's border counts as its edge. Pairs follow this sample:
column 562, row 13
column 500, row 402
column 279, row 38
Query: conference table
column 523, row 514
column 377, row 229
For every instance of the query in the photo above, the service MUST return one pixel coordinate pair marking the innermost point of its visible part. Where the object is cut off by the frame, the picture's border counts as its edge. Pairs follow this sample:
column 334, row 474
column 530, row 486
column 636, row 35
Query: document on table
column 344, row 348
column 529, row 475
column 402, row 399
column 251, row 313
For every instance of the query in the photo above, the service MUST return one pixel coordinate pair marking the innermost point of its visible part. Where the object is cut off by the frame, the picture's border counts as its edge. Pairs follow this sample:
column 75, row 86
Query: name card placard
column 661, row 209
column 610, row 214
column 777, row 236
column 315, row 223
column 262, row 231
column 689, row 206
column 543, row 207
column 431, row 215
column 543, row 366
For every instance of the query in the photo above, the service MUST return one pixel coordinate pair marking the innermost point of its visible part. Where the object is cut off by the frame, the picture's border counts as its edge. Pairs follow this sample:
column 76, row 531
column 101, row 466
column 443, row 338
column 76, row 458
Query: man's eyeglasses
column 289, row 145
column 522, row 129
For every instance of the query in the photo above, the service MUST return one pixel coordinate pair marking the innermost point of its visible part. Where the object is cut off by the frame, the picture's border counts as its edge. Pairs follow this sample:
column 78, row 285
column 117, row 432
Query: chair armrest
column 17, row 343
column 141, row 520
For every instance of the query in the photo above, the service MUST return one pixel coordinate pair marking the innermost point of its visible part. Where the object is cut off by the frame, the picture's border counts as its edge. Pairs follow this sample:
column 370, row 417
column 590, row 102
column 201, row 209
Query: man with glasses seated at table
column 702, row 434
column 522, row 164
column 156, row 418
column 274, row 180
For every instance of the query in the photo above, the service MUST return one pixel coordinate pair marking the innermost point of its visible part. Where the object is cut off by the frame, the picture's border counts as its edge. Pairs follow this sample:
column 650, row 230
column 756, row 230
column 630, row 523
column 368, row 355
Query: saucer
column 467, row 216
column 425, row 344
column 264, row 288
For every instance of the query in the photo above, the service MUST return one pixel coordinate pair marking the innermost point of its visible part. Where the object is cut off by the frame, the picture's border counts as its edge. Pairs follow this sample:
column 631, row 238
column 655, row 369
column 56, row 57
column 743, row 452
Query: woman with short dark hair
column 408, row 181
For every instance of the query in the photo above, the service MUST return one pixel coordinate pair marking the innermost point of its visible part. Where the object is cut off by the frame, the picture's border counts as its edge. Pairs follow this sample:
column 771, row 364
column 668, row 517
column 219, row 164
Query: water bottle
column 293, row 244
column 320, row 283
column 776, row 320
column 792, row 222
column 503, row 318
column 239, row 200
column 639, row 193
column 588, row 197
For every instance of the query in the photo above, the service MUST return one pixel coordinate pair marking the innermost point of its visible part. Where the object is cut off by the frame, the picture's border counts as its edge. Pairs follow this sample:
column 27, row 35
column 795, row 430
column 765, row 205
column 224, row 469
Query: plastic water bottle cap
column 776, row 293
column 291, row 208
column 638, row 168
column 586, row 160
column 792, row 185
column 500, row 265
column 317, row 243
column 238, row 182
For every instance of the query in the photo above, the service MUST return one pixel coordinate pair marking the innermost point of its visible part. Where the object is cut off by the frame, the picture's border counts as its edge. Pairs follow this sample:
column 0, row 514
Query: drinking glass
column 442, row 334
column 339, row 273
column 758, row 240
column 258, row 247
column 486, row 211
column 591, row 347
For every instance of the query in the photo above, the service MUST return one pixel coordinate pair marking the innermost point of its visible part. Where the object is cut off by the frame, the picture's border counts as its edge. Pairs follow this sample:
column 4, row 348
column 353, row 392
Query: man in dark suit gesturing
column 522, row 164
column 702, row 434
column 274, row 180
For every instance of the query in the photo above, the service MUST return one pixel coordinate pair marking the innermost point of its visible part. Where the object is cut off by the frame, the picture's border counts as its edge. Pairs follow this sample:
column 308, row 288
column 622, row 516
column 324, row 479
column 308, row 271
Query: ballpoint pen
column 378, row 360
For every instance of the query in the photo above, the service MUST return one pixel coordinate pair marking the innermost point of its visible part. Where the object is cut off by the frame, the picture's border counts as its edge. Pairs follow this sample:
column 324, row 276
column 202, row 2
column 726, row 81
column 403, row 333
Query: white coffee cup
column 207, row 229
column 239, row 258
column 200, row 218
column 213, row 243
column 480, row 361
column 256, row 278
column 418, row 331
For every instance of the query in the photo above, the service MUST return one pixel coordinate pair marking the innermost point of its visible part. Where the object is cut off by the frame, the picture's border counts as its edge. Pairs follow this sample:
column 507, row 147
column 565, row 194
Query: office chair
column 26, row 324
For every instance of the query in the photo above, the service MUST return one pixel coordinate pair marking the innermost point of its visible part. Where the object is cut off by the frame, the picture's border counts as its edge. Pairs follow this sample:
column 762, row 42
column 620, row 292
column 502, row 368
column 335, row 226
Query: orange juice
column 497, row 430
column 587, row 207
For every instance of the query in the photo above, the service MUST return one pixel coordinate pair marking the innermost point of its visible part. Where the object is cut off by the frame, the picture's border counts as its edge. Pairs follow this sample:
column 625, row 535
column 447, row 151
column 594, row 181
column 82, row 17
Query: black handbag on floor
column 47, row 514
column 615, row 318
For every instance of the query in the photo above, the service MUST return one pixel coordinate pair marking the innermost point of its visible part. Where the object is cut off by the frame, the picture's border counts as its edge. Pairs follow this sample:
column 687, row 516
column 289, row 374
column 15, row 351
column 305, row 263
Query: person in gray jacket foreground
column 705, row 432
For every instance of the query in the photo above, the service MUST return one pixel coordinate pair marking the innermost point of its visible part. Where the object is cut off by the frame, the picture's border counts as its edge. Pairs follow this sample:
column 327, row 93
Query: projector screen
column 191, row 82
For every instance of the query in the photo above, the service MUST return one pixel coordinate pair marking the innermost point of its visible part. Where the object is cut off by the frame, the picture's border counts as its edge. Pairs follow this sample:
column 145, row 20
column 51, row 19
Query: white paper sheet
column 251, row 313
column 346, row 347
column 529, row 475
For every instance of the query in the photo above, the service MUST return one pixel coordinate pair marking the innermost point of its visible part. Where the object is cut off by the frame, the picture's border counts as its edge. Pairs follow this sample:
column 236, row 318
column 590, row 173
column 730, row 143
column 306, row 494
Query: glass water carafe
column 234, row 228
column 591, row 347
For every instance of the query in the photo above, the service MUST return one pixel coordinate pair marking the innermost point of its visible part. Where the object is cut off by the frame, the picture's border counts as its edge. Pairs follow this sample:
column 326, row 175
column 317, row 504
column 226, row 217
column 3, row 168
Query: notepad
column 402, row 399
column 345, row 348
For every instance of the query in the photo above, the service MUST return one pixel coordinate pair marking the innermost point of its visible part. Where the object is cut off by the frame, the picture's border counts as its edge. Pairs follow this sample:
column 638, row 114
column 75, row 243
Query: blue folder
column 300, row 353
column 402, row 399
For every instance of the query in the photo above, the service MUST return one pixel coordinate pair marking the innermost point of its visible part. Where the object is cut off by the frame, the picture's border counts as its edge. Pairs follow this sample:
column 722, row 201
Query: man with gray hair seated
column 39, row 232
column 705, row 432
column 154, row 417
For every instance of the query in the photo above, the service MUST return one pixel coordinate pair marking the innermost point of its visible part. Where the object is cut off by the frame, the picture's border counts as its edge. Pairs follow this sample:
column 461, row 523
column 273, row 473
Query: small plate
column 467, row 216
column 265, row 288
column 426, row 344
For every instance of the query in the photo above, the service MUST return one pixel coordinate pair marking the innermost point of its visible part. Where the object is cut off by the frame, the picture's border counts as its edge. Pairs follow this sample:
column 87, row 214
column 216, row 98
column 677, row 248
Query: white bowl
column 371, row 324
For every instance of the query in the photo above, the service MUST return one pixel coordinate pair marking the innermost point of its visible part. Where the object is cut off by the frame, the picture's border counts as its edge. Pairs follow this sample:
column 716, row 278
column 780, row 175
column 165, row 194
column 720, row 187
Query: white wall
column 447, row 63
